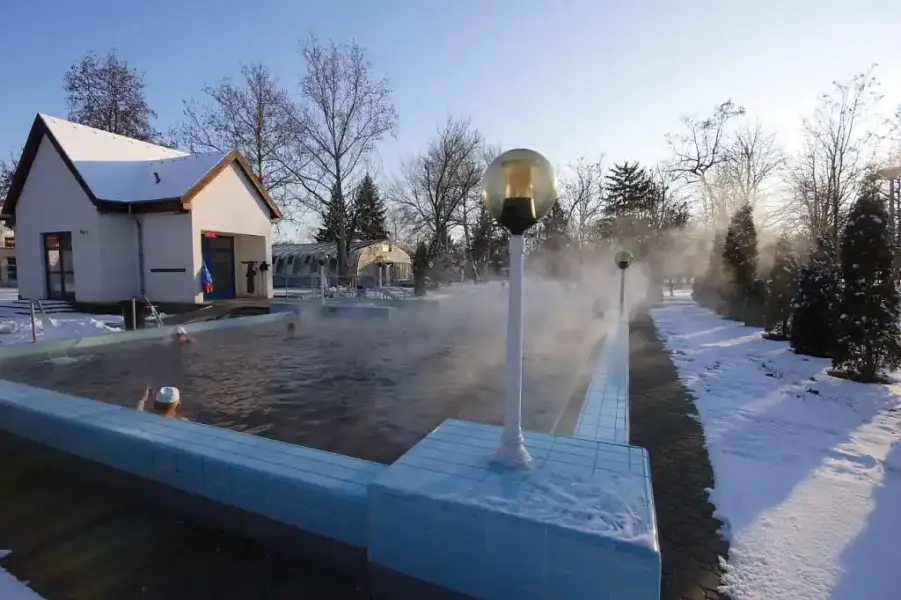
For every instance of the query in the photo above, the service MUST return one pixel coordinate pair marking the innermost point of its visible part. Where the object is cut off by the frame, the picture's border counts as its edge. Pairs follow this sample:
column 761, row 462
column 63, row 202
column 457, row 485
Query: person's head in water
column 181, row 335
column 167, row 402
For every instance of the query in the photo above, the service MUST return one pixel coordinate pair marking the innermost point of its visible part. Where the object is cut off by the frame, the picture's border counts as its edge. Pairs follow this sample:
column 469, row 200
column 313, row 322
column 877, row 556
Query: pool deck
column 340, row 511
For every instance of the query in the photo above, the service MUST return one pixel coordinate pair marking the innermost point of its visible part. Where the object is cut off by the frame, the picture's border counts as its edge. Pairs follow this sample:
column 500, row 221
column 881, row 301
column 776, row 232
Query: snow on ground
column 16, row 328
column 807, row 466
column 13, row 589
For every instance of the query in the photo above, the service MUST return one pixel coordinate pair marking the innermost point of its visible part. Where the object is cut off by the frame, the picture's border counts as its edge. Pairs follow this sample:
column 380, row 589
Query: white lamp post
column 379, row 263
column 623, row 259
column 519, row 188
column 387, row 263
column 322, row 260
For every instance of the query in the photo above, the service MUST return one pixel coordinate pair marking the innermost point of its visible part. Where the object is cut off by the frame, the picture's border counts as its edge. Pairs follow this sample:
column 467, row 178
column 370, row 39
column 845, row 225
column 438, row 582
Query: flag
column 206, row 279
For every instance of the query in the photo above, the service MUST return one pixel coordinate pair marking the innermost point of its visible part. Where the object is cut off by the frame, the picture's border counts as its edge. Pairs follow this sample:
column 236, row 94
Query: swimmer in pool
column 181, row 336
column 166, row 403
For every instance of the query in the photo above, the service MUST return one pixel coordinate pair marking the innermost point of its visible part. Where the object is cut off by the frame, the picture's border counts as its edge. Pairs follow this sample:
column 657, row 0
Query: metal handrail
column 154, row 313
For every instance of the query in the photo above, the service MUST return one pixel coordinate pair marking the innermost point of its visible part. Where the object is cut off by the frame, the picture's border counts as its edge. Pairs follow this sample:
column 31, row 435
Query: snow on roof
column 144, row 181
column 86, row 143
column 121, row 169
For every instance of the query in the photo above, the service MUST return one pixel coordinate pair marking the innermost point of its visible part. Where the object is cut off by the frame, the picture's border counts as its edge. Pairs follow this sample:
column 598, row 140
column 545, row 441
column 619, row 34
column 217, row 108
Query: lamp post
column 623, row 259
column 322, row 260
column 379, row 262
column 387, row 265
column 519, row 188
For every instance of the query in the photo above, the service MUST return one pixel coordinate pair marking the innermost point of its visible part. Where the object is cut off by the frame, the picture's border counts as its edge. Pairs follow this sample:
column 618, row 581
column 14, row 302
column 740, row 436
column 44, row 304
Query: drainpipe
column 140, row 230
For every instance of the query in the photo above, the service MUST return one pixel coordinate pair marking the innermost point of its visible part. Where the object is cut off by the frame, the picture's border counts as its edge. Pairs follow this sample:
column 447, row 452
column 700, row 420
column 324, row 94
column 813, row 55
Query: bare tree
column 106, row 93
column 7, row 171
column 582, row 195
column 247, row 115
column 836, row 154
column 699, row 151
column 342, row 113
column 435, row 185
column 753, row 162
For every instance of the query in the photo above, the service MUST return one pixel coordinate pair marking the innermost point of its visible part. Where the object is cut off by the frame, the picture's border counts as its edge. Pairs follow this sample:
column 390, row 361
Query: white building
column 103, row 218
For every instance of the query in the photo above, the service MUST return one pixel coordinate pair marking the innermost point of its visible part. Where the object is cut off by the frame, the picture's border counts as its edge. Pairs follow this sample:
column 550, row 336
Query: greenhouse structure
column 297, row 265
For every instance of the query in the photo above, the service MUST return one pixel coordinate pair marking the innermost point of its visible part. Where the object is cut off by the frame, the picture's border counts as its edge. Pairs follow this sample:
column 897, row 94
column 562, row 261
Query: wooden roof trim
column 232, row 157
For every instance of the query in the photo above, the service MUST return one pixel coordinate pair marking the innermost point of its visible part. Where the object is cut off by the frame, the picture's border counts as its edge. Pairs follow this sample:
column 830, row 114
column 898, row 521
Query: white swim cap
column 167, row 395
column 181, row 331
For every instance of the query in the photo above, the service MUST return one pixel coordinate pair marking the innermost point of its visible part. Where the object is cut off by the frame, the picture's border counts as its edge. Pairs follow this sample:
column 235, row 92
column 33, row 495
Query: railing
column 154, row 312
column 308, row 286
column 35, row 306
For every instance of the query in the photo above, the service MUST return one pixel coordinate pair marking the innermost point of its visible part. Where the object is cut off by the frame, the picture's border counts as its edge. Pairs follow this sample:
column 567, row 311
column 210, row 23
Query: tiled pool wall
column 441, row 522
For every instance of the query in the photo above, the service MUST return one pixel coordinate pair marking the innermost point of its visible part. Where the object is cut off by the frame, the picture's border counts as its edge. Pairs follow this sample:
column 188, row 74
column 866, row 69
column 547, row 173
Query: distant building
column 8, row 271
column 104, row 218
column 296, row 265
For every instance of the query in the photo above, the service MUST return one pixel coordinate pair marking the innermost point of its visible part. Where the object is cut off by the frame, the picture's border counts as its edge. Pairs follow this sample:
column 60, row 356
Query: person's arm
column 148, row 392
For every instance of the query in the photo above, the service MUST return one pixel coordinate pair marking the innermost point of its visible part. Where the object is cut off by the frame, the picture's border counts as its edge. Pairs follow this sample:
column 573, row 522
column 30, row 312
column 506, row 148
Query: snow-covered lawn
column 13, row 589
column 807, row 466
column 16, row 328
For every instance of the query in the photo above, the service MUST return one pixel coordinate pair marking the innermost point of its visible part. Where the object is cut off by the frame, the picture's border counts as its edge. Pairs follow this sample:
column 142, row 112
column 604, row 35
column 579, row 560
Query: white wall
column 169, row 244
column 231, row 205
column 249, row 247
column 119, row 268
column 52, row 201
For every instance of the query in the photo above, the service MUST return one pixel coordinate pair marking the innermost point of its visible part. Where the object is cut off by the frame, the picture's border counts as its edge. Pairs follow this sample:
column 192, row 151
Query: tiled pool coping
column 604, row 415
column 444, row 543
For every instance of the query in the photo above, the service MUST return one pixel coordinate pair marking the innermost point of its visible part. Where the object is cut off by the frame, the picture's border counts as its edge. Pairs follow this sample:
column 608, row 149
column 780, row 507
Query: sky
column 569, row 78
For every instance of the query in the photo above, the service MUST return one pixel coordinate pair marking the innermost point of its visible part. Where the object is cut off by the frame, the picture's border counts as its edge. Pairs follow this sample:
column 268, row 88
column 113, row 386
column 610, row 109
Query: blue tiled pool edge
column 604, row 415
column 417, row 517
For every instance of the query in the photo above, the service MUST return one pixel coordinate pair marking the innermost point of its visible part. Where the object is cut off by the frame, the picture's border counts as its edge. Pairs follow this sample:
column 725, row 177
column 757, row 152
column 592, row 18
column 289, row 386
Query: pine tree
column 740, row 262
column 868, row 340
column 782, row 287
column 630, row 199
column 812, row 329
column 707, row 290
column 421, row 263
column 553, row 239
column 370, row 211
column 335, row 212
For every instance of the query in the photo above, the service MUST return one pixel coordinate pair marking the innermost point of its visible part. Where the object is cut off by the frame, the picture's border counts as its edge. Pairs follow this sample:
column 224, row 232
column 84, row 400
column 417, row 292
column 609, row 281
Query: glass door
column 219, row 256
column 59, row 267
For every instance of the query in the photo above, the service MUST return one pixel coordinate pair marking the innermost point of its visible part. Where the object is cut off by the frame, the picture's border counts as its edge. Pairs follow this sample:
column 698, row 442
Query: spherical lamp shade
column 519, row 188
column 623, row 259
column 321, row 260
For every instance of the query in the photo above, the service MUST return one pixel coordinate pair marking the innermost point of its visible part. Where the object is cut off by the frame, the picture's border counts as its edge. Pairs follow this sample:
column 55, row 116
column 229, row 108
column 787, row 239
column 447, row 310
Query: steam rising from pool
column 366, row 388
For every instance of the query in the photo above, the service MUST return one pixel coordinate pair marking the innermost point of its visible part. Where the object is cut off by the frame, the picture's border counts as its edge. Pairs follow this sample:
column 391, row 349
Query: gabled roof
column 122, row 174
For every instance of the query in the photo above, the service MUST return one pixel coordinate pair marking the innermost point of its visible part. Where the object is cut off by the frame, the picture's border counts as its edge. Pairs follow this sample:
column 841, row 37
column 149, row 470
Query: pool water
column 369, row 389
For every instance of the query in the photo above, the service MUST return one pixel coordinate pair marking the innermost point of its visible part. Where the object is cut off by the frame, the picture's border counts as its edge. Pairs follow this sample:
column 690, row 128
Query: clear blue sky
column 566, row 77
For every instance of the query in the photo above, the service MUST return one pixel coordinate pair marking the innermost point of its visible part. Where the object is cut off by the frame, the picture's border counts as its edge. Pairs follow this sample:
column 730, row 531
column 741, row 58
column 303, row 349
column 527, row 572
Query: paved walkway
column 664, row 420
column 82, row 542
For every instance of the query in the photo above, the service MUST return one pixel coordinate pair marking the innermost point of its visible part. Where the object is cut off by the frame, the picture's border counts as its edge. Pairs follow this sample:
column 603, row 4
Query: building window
column 12, row 270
